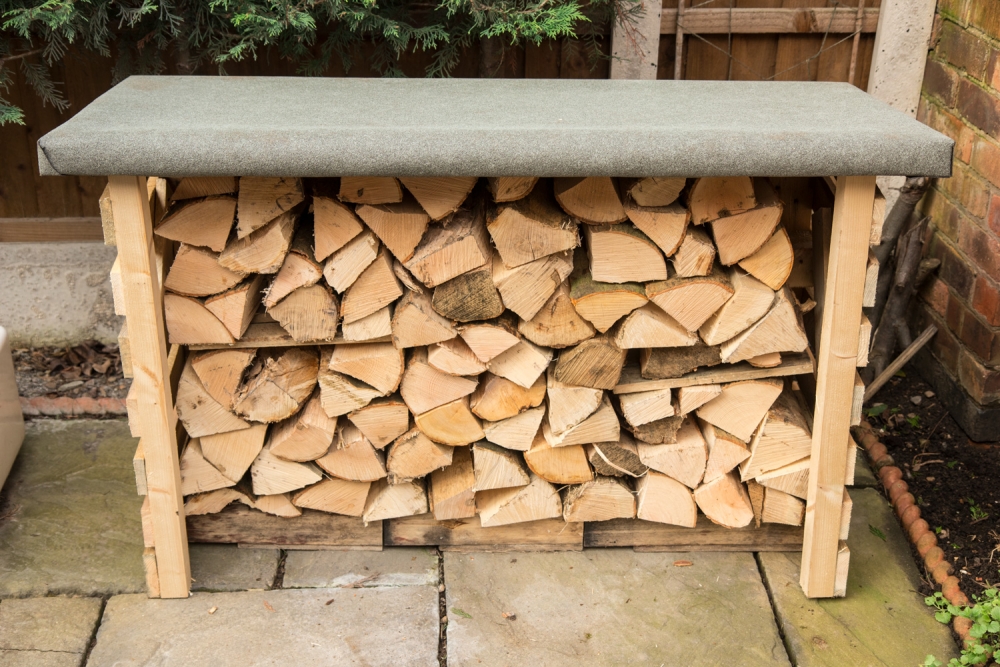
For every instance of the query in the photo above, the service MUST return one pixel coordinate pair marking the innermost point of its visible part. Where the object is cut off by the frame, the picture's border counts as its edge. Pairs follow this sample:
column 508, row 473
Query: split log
column 692, row 398
column 511, row 188
column 335, row 225
column 189, row 322
column 594, row 200
column 379, row 365
column 569, row 404
column 497, row 468
column 516, row 432
column 451, row 424
column 416, row 323
column 341, row 394
column 391, row 501
column 522, row 364
column 770, row 360
column 198, row 411
column 454, row 357
column 308, row 313
column 203, row 186
column 233, row 452
column 649, row 327
column 664, row 363
column 534, row 502
column 424, row 388
column 196, row 272
column 279, row 504
column 792, row 479
column 773, row 263
column 741, row 406
column 725, row 451
column 557, row 324
column 725, row 502
column 440, row 196
column 374, row 289
column 684, row 460
column 236, row 307
column 450, row 491
column 603, row 304
column 271, row 475
column 783, row 438
column 489, row 339
column 299, row 269
column 372, row 327
column 497, row 398
column 305, row 436
column 399, row 226
column 695, row 255
column 525, row 288
column 202, row 222
column 622, row 253
column 756, row 493
column 337, row 496
column 370, row 190
column 261, row 200
column 221, row 371
column 531, row 228
column 264, row 250
column 781, row 507
column 663, row 499
column 739, row 235
column 712, row 198
column 779, row 330
column 665, row 225
column 353, row 458
column 646, row 406
column 558, row 465
column 691, row 301
column 212, row 502
column 414, row 455
column 602, row 426
column 344, row 266
column 382, row 421
column 751, row 300
column 469, row 297
column 661, row 432
column 449, row 250
column 277, row 384
column 655, row 191
column 595, row 363
column 602, row 499
column 197, row 474
column 616, row 458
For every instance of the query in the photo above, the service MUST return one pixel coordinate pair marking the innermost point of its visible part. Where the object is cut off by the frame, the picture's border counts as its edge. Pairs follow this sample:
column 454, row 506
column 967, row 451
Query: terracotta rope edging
column 918, row 530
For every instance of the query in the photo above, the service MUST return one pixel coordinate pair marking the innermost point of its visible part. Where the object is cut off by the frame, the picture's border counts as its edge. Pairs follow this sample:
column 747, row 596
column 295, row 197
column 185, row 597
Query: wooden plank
column 878, row 219
column 838, row 352
column 632, row 382
column 156, row 414
column 107, row 217
column 469, row 535
column 125, row 350
column 50, row 230
column 705, row 536
column 864, row 341
column 132, row 410
column 238, row 524
column 871, row 281
column 635, row 48
column 768, row 21
column 857, row 399
column 117, row 294
column 139, row 467
column 270, row 334
column 152, row 575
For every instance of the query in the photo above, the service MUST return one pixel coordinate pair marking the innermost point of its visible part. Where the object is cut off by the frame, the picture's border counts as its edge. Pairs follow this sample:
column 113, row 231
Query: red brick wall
column 961, row 98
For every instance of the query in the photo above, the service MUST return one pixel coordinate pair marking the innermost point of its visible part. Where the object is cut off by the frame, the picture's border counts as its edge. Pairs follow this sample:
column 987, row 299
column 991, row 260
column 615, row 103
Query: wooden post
column 157, row 418
column 838, row 352
column 635, row 52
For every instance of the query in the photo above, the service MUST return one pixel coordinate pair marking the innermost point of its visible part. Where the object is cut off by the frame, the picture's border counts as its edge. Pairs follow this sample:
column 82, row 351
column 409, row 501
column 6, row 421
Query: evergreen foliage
column 200, row 35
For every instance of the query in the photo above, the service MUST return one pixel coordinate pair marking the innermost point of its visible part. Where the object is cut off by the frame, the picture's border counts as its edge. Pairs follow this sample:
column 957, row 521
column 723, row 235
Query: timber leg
column 824, row 559
column 155, row 414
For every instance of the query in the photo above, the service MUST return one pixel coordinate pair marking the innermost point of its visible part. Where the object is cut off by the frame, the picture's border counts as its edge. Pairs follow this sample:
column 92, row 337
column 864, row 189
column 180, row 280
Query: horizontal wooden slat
column 50, row 230
column 705, row 536
column 768, row 21
column 631, row 380
column 469, row 535
column 238, row 524
column 269, row 334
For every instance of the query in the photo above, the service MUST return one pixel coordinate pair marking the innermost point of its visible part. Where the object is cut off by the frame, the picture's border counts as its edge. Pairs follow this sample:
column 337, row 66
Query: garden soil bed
column 956, row 482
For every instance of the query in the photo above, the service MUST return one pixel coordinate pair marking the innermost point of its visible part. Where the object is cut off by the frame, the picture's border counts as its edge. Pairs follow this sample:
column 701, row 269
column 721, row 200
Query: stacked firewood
column 382, row 347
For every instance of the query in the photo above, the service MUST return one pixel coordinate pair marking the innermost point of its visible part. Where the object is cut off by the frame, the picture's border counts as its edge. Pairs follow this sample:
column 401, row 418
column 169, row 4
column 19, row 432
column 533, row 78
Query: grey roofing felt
column 268, row 126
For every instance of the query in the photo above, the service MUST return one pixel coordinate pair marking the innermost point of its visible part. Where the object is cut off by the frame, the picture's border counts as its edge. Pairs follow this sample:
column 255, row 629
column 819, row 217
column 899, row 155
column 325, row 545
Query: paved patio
column 71, row 592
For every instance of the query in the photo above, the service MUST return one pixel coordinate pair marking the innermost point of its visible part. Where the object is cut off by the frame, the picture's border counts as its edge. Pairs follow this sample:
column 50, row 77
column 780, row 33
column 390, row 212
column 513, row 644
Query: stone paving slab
column 47, row 632
column 74, row 514
column 325, row 627
column 39, row 659
column 863, row 476
column 608, row 607
column 395, row 566
column 225, row 567
column 883, row 620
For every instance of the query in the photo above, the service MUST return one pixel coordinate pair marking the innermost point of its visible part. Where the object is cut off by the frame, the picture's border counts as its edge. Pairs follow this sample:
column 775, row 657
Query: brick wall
column 961, row 98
